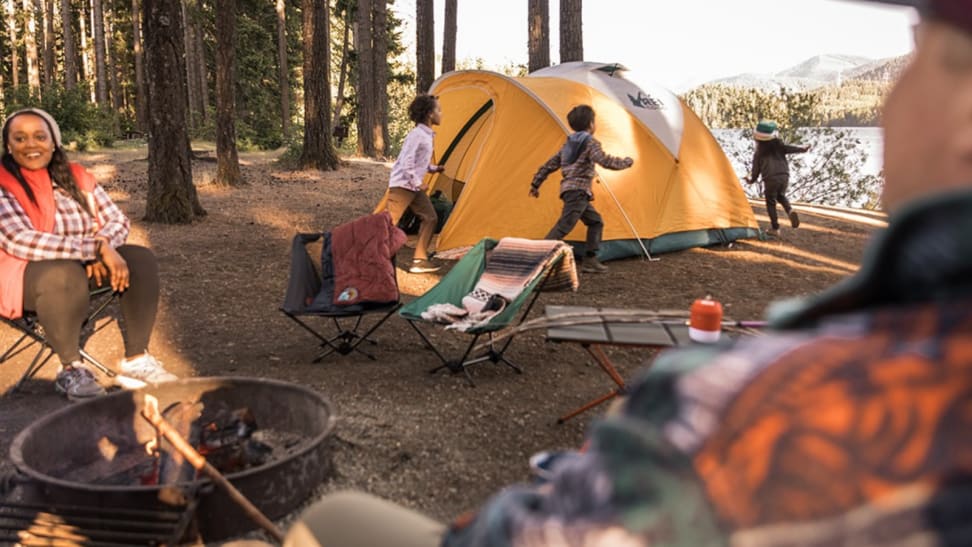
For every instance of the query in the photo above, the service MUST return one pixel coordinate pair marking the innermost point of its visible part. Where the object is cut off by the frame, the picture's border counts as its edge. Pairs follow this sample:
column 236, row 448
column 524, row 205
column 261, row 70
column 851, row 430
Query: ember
column 228, row 445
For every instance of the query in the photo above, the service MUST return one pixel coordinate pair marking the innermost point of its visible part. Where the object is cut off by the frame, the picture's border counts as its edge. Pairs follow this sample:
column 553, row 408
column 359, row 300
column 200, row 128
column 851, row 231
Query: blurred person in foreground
column 849, row 424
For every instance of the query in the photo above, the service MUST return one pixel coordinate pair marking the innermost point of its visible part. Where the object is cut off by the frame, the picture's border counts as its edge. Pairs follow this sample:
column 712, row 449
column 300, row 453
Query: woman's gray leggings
column 57, row 291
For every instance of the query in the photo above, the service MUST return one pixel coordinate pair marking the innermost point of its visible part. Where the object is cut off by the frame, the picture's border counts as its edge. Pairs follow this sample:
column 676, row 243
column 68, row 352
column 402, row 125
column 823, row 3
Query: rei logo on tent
column 646, row 101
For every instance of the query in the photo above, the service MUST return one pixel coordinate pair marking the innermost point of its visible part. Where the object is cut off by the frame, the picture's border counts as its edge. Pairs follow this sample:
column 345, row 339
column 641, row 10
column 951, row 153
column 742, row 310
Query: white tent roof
column 656, row 107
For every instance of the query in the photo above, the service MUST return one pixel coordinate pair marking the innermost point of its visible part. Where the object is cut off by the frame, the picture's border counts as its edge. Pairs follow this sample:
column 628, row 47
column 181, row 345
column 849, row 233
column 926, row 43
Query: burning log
column 150, row 412
column 228, row 444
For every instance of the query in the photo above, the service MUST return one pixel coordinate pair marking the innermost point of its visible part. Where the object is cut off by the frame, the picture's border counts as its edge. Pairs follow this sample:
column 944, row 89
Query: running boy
column 577, row 158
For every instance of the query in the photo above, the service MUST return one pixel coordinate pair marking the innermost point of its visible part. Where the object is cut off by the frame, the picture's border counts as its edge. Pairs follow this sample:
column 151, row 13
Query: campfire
column 231, row 441
column 263, row 438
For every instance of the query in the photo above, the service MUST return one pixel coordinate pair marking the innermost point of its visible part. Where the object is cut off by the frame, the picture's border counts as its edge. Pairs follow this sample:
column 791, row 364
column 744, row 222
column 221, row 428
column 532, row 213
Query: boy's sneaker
column 141, row 371
column 592, row 265
column 794, row 219
column 77, row 383
column 420, row 265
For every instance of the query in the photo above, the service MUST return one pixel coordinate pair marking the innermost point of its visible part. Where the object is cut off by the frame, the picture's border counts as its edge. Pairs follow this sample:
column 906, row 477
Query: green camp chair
column 459, row 282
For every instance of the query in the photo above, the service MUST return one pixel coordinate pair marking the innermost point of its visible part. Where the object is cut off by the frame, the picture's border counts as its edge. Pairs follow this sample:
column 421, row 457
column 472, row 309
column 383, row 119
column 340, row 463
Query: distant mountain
column 820, row 71
column 883, row 70
column 845, row 91
column 825, row 68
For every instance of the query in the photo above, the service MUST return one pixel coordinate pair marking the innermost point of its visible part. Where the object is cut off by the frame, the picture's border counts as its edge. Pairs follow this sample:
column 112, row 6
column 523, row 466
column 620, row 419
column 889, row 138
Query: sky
column 682, row 43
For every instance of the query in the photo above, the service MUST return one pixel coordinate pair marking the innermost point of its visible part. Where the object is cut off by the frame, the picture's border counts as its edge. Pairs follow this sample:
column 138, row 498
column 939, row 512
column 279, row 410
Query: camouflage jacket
column 847, row 425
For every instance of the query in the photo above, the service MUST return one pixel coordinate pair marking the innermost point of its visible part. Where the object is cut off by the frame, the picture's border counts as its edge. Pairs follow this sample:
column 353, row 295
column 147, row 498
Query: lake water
column 873, row 139
column 738, row 145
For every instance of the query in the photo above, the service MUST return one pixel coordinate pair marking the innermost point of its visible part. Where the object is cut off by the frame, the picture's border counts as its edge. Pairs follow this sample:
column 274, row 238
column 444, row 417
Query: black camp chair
column 310, row 293
column 32, row 333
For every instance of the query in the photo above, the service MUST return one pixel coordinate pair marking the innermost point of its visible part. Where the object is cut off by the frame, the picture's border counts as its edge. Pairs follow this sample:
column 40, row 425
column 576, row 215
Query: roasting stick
column 150, row 412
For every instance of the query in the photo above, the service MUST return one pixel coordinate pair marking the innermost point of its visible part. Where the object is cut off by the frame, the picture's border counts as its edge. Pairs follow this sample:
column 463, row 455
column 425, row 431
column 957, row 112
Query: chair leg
column 13, row 350
column 35, row 365
column 462, row 364
column 97, row 364
column 454, row 365
column 30, row 331
column 346, row 340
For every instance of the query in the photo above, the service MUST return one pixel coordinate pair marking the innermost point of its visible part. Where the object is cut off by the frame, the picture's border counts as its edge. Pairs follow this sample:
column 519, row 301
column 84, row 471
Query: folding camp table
column 591, row 336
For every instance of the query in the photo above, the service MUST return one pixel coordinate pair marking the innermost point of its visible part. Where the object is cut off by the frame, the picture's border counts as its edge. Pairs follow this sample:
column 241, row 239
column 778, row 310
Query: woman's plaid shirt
column 73, row 236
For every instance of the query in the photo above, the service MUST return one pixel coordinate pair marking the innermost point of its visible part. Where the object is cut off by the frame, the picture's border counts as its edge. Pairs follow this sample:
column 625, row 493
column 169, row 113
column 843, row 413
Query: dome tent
column 496, row 131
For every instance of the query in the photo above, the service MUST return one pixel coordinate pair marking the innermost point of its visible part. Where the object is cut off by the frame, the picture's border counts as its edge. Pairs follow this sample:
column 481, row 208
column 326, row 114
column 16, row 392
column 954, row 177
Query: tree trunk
column 192, row 90
column 195, row 65
column 141, row 92
column 424, row 45
column 30, row 45
column 571, row 31
column 70, row 51
column 98, row 28
column 48, row 45
column 202, row 82
column 12, row 38
column 227, row 160
column 379, row 44
column 86, row 69
column 538, row 41
column 343, row 75
column 319, row 152
column 367, row 117
column 171, row 195
column 283, row 73
column 112, row 69
column 449, row 37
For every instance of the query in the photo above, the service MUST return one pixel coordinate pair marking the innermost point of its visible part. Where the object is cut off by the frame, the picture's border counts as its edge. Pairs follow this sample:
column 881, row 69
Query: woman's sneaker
column 141, row 371
column 77, row 383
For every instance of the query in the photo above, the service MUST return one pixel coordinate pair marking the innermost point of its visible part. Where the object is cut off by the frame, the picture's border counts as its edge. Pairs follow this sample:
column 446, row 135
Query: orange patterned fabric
column 844, row 420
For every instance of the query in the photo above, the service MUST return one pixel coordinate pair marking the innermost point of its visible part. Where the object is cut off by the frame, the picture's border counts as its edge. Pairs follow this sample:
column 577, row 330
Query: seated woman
column 60, row 235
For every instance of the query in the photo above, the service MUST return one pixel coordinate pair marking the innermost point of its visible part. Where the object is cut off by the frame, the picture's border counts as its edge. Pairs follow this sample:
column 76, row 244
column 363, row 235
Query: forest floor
column 430, row 442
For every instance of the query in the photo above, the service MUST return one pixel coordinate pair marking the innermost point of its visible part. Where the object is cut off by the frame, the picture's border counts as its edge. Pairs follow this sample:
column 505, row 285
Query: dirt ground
column 430, row 442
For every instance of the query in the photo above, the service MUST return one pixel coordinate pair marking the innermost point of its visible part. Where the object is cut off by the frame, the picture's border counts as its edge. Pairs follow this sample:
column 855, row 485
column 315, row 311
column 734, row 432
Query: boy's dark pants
column 577, row 206
column 775, row 191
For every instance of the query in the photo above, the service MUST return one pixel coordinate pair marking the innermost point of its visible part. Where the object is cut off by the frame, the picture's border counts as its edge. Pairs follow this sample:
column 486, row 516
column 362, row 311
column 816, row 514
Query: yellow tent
column 496, row 131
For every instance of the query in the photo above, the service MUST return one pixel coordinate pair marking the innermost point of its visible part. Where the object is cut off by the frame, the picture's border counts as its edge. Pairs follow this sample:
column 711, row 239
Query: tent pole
column 624, row 214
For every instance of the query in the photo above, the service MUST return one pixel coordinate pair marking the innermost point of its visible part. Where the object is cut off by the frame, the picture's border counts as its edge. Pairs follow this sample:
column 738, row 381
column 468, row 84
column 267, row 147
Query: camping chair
column 32, row 333
column 526, row 266
column 311, row 290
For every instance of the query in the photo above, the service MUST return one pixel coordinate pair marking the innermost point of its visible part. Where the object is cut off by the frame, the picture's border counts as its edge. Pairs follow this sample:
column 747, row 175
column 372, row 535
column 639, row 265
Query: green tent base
column 668, row 243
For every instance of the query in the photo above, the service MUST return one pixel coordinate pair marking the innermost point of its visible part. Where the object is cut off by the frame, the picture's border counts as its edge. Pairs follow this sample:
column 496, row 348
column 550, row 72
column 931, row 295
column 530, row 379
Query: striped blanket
column 514, row 263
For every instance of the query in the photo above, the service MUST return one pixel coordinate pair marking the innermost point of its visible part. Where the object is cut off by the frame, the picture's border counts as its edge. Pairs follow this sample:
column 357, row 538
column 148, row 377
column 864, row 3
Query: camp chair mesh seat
column 310, row 293
column 557, row 273
column 32, row 333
